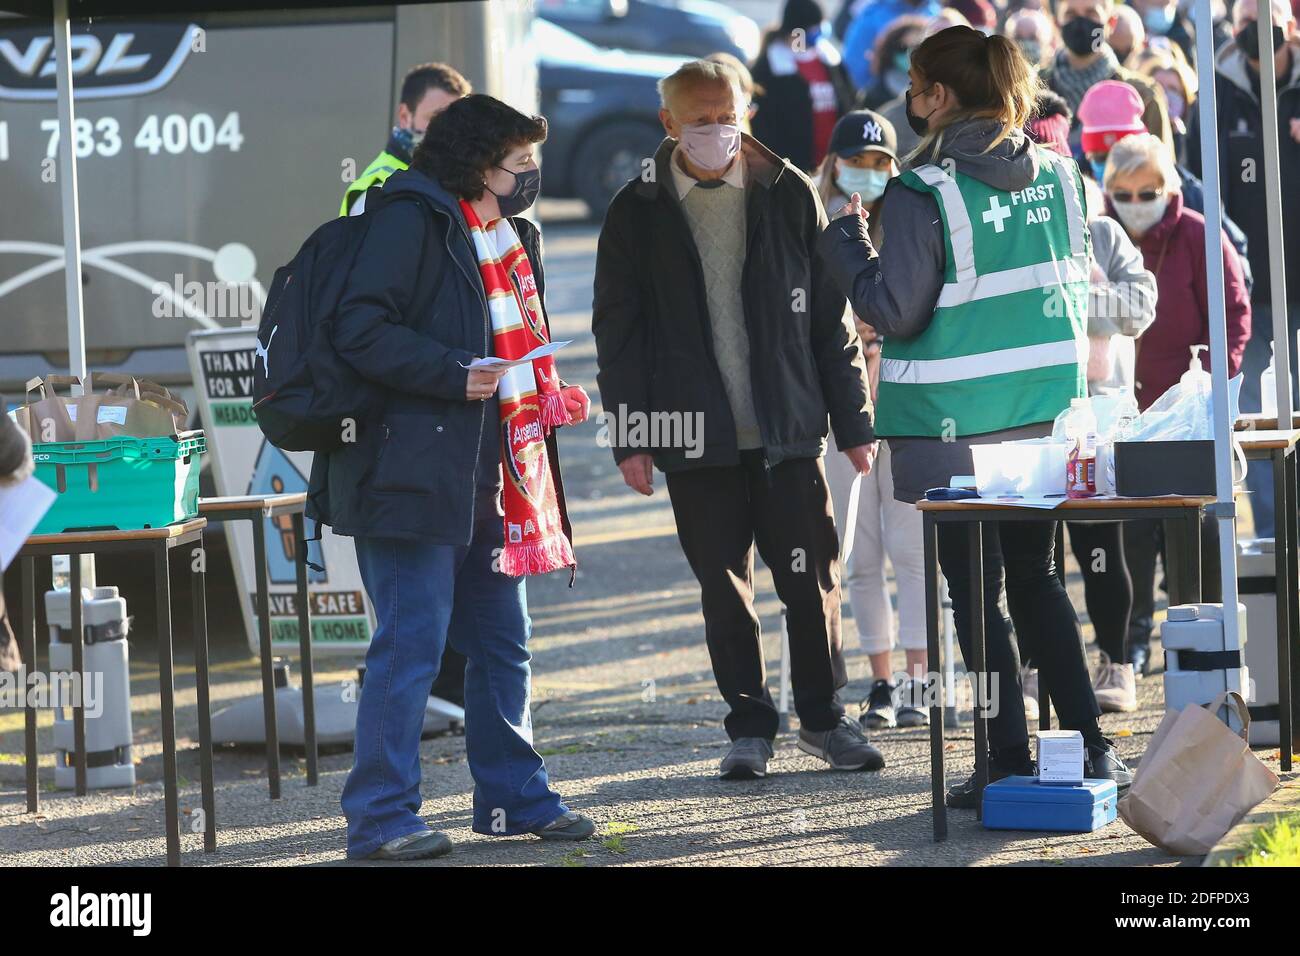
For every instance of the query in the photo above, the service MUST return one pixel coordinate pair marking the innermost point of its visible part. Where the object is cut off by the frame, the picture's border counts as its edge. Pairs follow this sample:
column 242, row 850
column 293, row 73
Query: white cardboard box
column 1060, row 757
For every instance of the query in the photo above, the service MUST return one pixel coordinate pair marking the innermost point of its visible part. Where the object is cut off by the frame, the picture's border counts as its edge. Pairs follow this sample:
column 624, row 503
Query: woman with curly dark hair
column 448, row 273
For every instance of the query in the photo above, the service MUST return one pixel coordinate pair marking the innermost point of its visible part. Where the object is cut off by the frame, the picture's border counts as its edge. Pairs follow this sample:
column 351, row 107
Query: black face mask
column 919, row 124
column 1081, row 35
column 528, row 184
column 1248, row 39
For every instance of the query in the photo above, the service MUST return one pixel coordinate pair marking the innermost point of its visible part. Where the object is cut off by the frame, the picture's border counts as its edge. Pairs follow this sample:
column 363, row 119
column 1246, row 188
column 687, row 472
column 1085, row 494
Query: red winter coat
column 1174, row 249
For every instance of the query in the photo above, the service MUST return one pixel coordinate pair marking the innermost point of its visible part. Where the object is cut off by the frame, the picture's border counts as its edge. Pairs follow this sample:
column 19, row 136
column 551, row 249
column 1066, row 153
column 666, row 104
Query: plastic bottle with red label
column 1081, row 465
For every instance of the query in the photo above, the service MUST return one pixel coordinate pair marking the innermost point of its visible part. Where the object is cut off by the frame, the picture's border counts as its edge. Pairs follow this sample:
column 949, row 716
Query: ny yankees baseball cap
column 861, row 130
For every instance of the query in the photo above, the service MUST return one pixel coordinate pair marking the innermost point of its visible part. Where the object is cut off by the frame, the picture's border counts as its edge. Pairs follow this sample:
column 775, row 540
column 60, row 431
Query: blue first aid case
column 1022, row 803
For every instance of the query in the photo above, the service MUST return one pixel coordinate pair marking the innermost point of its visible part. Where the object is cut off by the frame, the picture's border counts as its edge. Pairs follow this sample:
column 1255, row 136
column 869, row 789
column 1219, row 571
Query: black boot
column 1102, row 762
column 962, row 796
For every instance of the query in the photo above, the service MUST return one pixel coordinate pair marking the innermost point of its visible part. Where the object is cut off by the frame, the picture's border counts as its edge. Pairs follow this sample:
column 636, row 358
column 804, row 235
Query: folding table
column 1183, row 520
column 255, row 509
column 159, row 542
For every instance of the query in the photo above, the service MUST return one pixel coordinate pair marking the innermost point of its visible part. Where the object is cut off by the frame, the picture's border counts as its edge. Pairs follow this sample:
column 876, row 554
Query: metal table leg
column 1282, row 560
column 978, row 663
column 268, row 670
column 939, row 811
column 199, row 606
column 304, row 648
column 76, row 634
column 1293, row 617
column 28, row 636
column 166, row 687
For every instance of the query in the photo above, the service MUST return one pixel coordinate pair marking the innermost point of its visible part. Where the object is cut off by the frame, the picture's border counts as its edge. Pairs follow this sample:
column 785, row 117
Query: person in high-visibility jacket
column 981, row 297
column 426, row 91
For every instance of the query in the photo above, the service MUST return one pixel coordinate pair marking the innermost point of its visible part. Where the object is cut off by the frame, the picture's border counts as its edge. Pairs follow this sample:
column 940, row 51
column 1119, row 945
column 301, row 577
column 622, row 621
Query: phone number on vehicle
column 172, row 133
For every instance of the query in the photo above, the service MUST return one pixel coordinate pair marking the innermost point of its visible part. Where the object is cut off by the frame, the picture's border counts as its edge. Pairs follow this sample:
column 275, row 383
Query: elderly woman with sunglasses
column 1144, row 192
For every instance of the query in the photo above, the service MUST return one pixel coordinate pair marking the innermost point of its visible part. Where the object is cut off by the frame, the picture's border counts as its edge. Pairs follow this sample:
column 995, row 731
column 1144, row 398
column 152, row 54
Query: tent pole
column 67, row 174
column 1273, row 210
column 1214, row 240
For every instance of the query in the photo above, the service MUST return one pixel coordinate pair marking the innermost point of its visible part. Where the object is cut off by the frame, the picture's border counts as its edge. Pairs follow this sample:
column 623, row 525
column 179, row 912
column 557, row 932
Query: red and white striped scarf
column 529, row 399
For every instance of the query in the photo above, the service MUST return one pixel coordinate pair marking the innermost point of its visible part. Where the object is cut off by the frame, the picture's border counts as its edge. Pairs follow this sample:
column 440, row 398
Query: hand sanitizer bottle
column 1268, row 385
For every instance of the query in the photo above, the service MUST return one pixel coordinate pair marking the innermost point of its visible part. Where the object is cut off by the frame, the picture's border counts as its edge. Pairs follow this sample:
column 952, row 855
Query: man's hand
column 482, row 383
column 638, row 472
column 863, row 457
column 576, row 403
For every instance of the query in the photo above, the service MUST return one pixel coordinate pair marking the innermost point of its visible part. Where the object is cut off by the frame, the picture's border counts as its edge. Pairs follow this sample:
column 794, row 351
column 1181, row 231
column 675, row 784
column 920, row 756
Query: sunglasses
column 1147, row 195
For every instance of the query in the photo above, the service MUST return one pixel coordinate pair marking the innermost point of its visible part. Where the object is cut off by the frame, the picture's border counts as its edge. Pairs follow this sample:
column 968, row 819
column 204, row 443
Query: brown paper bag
column 1196, row 780
column 134, row 407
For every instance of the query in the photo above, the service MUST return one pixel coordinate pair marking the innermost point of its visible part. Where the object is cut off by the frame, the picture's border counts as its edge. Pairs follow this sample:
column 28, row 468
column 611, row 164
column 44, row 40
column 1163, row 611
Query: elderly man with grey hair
column 711, row 308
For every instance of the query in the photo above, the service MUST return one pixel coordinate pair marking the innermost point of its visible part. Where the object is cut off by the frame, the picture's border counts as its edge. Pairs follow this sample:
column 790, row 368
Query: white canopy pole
column 71, row 203
column 1223, row 508
column 1273, row 209
column 67, row 173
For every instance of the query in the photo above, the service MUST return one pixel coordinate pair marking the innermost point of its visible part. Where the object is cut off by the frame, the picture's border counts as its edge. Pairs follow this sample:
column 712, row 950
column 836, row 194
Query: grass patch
column 574, row 858
column 614, row 844
column 568, row 749
column 1277, row 844
column 618, row 828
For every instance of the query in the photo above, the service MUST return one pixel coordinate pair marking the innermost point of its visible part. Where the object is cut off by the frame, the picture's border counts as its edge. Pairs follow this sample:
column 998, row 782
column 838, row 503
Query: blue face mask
column 868, row 183
column 407, row 139
column 1098, row 169
column 1158, row 20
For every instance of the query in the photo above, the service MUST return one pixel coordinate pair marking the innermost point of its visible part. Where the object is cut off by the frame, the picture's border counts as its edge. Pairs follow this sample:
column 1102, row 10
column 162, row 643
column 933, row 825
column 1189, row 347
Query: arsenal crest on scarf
column 529, row 399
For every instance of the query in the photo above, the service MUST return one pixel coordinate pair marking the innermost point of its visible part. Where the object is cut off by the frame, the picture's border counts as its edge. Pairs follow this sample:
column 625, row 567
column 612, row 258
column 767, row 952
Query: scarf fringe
column 554, row 414
column 537, row 557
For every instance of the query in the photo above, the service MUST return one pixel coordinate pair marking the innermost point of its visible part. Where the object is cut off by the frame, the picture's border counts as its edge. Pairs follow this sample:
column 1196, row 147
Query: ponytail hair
column 988, row 75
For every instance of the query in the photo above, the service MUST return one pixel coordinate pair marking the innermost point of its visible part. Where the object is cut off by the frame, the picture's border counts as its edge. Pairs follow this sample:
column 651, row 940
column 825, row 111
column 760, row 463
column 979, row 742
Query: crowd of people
column 837, row 262
column 1114, row 87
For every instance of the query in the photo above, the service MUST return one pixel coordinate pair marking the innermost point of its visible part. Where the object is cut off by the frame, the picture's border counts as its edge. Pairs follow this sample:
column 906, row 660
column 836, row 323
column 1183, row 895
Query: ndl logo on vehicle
column 107, row 59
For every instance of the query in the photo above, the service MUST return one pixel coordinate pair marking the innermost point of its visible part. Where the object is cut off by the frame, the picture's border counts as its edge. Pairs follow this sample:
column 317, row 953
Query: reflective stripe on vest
column 959, row 368
column 1007, row 345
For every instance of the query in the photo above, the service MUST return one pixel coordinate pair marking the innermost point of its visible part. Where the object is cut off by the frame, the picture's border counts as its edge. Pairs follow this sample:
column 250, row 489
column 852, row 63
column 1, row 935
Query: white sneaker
column 1115, row 686
column 1029, row 684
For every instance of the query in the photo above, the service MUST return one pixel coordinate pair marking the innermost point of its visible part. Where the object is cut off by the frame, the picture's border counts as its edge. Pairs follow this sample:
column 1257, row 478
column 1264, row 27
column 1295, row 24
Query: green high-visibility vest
column 384, row 165
column 1007, row 345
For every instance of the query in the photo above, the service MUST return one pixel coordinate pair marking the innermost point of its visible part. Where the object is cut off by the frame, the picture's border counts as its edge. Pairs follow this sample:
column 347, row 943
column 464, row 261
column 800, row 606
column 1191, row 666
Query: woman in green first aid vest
column 981, row 297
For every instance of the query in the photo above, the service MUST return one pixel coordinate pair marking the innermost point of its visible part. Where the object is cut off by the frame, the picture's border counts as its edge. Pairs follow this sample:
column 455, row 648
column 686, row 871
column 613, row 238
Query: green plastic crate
column 121, row 483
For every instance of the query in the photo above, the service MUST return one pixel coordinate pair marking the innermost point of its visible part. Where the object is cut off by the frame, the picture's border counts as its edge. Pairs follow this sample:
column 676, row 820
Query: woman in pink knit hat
column 1108, row 112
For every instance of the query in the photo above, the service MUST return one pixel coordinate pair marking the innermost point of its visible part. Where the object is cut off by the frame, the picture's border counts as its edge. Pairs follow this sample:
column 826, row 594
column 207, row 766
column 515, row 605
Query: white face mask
column 1138, row 217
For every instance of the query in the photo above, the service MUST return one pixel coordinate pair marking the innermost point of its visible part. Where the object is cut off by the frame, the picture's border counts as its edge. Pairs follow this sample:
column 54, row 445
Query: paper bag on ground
column 1196, row 780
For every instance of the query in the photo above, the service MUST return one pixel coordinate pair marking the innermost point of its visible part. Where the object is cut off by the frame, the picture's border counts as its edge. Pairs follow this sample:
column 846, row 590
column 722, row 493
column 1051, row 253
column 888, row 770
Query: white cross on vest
column 996, row 213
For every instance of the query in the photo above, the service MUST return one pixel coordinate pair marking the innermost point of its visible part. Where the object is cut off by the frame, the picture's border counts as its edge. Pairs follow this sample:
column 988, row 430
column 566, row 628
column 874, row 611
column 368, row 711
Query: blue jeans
column 422, row 593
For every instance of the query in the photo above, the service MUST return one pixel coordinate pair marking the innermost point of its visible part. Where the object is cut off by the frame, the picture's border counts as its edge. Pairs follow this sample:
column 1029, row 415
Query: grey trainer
column 421, row 845
column 844, row 748
column 747, row 759
column 567, row 826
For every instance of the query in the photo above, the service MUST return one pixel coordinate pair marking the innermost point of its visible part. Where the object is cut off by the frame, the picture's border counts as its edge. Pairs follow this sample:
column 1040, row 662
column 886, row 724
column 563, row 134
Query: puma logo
column 263, row 352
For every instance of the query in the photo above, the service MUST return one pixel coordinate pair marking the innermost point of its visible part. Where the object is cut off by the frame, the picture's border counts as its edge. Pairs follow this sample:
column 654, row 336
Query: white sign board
column 245, row 463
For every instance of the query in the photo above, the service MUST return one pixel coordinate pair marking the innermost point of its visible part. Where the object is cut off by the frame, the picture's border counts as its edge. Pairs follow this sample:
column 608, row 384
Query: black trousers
column 721, row 513
column 1107, row 588
column 1144, row 541
column 1021, row 552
